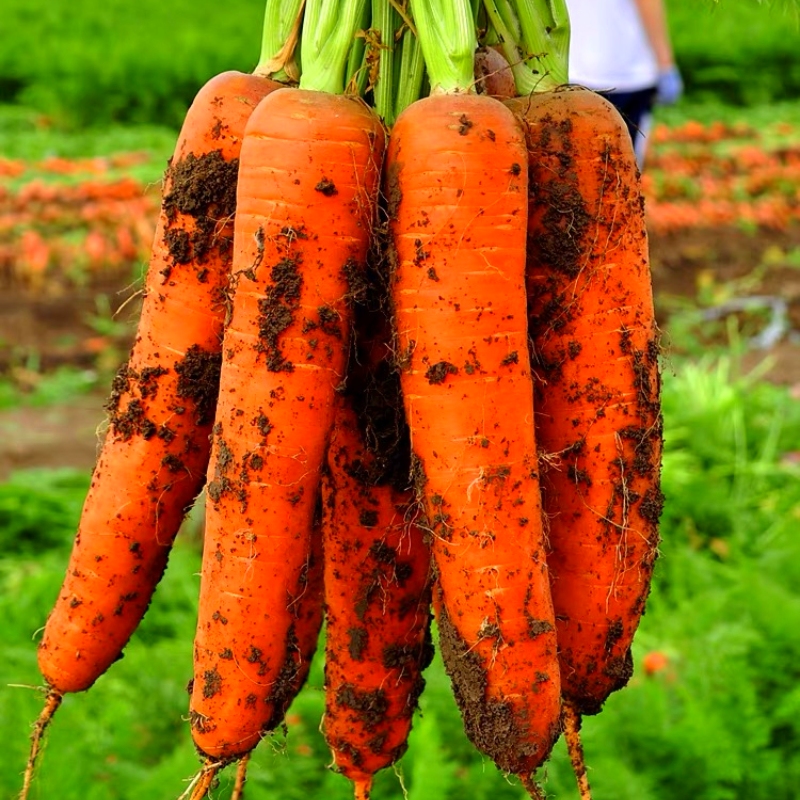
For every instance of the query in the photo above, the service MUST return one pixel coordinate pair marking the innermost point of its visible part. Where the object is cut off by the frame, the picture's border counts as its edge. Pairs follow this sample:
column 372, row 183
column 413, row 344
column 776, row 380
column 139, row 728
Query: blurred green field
column 87, row 64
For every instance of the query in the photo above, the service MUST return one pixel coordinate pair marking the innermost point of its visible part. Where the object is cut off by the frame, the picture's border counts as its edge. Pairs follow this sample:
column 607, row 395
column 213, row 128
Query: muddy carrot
column 154, row 456
column 456, row 177
column 595, row 360
column 308, row 180
column 377, row 576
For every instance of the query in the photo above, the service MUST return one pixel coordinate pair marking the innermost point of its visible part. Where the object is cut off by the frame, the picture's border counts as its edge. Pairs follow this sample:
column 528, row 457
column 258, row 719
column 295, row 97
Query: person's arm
column 654, row 22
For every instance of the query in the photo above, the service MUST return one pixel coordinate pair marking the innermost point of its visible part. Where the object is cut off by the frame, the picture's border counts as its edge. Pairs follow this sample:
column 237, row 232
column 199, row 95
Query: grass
column 719, row 721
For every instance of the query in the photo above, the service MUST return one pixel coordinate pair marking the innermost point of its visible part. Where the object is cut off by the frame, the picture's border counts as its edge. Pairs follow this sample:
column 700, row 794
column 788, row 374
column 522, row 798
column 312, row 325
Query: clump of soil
column 198, row 380
column 202, row 186
column 277, row 310
column 204, row 189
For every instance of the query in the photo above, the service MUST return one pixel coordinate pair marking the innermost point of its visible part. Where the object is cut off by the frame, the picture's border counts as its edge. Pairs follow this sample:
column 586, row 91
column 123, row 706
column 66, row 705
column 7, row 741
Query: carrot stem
column 411, row 72
column 51, row 704
column 385, row 22
column 545, row 38
column 241, row 777
column 535, row 40
column 329, row 28
column 282, row 20
column 571, row 720
column 357, row 69
column 447, row 36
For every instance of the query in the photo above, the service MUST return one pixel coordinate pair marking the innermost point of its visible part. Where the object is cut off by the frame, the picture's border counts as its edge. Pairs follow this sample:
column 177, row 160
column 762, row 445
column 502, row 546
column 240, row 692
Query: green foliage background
column 86, row 63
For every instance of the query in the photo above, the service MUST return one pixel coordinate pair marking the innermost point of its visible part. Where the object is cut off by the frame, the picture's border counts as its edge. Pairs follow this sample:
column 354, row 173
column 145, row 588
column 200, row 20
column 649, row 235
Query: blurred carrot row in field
column 717, row 175
column 63, row 220
column 54, row 231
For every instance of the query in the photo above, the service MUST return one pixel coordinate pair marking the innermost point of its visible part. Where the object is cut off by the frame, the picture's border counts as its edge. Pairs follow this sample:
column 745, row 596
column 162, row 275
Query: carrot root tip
column 532, row 788
column 362, row 789
column 241, row 777
column 571, row 723
column 203, row 781
column 51, row 704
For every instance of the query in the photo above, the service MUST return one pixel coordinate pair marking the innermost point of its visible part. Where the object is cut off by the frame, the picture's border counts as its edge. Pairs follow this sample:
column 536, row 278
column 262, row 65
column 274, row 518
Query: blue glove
column 669, row 87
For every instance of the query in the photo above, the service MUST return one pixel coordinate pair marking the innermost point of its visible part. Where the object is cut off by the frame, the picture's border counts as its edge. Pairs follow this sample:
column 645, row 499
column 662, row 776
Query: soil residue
column 491, row 725
column 277, row 310
column 198, row 380
column 204, row 189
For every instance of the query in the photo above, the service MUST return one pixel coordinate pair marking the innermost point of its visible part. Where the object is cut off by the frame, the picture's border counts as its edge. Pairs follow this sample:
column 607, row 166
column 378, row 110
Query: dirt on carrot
column 202, row 188
column 490, row 724
column 198, row 380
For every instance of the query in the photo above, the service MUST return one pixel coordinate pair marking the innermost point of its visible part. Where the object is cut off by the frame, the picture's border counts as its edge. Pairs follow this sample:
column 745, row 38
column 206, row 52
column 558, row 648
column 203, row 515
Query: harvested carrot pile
column 398, row 326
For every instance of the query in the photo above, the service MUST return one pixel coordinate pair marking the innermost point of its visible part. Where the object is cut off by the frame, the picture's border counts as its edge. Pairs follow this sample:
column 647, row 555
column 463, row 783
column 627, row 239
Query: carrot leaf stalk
column 329, row 28
column 385, row 22
column 411, row 70
column 535, row 41
column 447, row 38
column 358, row 68
column 282, row 22
column 545, row 39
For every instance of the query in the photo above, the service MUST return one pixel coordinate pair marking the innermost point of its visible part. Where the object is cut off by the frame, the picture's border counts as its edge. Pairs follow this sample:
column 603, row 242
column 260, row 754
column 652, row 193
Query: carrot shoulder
column 307, row 187
column 154, row 456
column 457, row 180
column 595, row 359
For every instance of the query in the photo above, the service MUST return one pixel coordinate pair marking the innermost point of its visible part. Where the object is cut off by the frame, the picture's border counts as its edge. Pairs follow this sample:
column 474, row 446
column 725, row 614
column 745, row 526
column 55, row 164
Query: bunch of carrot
column 407, row 346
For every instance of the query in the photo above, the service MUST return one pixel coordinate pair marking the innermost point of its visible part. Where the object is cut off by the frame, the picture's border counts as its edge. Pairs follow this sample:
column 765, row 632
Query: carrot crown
column 329, row 29
column 446, row 32
column 282, row 20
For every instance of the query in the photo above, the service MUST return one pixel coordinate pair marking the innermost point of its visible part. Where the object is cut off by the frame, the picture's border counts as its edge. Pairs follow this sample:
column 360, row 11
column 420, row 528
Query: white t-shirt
column 609, row 47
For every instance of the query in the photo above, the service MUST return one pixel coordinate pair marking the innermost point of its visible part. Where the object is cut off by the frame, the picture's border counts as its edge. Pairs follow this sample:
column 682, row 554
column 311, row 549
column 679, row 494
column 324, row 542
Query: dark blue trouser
column 636, row 109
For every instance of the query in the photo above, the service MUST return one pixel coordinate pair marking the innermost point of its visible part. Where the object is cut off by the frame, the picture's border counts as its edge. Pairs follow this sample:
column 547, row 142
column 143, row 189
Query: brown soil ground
column 57, row 329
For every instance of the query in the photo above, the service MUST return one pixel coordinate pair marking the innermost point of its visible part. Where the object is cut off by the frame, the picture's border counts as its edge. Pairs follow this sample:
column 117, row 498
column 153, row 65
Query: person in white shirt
column 622, row 49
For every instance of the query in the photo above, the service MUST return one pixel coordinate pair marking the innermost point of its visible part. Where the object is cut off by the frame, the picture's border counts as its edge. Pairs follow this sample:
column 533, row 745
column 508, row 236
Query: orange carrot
column 457, row 179
column 595, row 359
column 155, row 452
column 153, row 460
column 307, row 188
column 156, row 449
column 377, row 570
